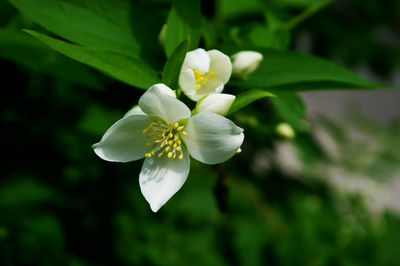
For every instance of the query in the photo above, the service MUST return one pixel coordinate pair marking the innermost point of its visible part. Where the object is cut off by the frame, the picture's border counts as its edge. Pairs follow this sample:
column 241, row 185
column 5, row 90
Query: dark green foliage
column 62, row 205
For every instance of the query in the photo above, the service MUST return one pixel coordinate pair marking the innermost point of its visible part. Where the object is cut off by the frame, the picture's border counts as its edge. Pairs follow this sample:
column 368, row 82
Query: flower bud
column 285, row 130
column 216, row 103
column 162, row 34
column 246, row 62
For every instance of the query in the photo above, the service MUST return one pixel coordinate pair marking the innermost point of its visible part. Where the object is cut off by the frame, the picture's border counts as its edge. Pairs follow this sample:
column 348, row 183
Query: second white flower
column 204, row 73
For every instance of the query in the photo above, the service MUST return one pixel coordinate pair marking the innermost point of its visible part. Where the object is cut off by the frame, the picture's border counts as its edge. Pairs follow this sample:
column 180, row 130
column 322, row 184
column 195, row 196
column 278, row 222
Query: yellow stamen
column 165, row 138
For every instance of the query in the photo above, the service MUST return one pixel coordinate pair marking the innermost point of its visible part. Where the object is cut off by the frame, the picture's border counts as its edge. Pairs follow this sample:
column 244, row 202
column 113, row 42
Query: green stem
column 178, row 93
column 307, row 13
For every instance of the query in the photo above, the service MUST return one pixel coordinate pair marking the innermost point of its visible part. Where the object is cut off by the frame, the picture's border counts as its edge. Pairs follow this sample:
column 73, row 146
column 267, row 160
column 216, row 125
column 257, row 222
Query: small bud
column 162, row 34
column 246, row 62
column 216, row 103
column 285, row 130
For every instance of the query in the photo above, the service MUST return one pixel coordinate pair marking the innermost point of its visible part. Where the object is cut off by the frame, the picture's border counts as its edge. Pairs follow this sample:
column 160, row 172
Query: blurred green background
column 318, row 199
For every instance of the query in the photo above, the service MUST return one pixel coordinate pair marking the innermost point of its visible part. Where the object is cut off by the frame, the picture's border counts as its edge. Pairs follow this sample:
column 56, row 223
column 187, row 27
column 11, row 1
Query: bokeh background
column 329, row 196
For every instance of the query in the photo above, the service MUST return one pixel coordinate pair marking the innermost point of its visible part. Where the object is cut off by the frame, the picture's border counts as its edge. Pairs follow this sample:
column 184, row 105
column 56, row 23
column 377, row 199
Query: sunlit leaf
column 126, row 69
column 184, row 23
column 96, row 23
column 246, row 98
column 173, row 66
column 20, row 48
column 291, row 71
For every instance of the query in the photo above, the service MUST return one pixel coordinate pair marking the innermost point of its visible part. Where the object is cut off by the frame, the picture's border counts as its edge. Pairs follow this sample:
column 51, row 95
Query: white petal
column 124, row 141
column 216, row 103
column 155, row 103
column 212, row 138
column 221, row 65
column 197, row 59
column 246, row 62
column 187, row 82
column 135, row 111
column 164, row 89
column 211, row 87
column 161, row 178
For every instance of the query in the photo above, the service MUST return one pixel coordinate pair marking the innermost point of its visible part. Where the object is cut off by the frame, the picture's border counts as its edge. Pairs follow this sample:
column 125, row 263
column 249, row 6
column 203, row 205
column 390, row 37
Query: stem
column 307, row 13
column 178, row 93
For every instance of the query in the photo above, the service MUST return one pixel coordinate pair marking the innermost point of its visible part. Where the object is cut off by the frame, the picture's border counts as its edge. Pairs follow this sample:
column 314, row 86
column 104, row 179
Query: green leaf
column 7, row 11
column 246, row 98
column 184, row 23
column 296, row 3
column 126, row 69
column 96, row 23
column 291, row 71
column 41, row 240
column 267, row 37
column 20, row 48
column 291, row 108
column 235, row 8
column 172, row 67
column 23, row 194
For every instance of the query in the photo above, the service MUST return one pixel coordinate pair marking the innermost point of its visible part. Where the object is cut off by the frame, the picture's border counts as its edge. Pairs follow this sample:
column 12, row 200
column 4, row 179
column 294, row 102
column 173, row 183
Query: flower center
column 203, row 77
column 165, row 139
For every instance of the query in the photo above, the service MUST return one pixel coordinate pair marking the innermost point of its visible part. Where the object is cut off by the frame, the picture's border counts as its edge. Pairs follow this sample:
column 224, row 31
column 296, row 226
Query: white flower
column 245, row 62
column 165, row 133
column 215, row 103
column 204, row 73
